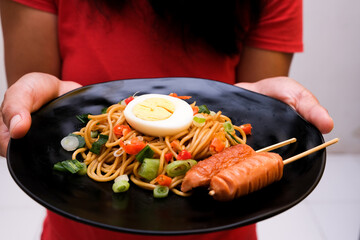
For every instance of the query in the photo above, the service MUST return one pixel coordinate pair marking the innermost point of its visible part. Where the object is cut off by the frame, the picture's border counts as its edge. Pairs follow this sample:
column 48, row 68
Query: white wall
column 329, row 67
column 3, row 84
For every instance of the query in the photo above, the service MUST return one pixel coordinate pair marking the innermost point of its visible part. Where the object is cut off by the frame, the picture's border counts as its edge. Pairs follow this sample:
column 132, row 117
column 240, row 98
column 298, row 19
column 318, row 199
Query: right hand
column 25, row 96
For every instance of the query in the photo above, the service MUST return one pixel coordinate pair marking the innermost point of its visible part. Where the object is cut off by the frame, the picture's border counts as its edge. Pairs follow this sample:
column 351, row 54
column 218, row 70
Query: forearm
column 256, row 64
column 30, row 41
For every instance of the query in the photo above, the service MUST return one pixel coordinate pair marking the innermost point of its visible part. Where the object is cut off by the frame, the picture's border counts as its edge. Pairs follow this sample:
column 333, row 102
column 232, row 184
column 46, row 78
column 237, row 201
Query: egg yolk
column 154, row 109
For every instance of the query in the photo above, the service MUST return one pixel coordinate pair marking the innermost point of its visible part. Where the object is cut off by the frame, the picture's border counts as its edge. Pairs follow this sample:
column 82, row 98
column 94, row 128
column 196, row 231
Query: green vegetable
column 228, row 127
column 122, row 177
column 149, row 168
column 70, row 143
column 232, row 137
column 72, row 165
column 83, row 118
column 203, row 109
column 120, row 186
column 83, row 170
column 104, row 110
column 80, row 138
column 199, row 120
column 59, row 167
column 161, row 191
column 94, row 134
column 96, row 146
column 179, row 167
column 146, row 152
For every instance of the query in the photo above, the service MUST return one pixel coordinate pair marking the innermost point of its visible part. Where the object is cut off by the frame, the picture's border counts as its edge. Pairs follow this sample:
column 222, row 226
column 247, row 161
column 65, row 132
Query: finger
column 27, row 95
column 67, row 86
column 309, row 107
column 4, row 137
column 296, row 96
column 16, row 110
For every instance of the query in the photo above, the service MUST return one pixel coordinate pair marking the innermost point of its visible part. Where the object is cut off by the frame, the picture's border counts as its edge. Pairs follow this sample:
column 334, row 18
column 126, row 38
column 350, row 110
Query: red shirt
column 95, row 49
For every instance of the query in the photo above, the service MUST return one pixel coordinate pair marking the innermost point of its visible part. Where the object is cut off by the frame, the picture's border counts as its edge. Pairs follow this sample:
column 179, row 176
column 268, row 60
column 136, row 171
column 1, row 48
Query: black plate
column 30, row 161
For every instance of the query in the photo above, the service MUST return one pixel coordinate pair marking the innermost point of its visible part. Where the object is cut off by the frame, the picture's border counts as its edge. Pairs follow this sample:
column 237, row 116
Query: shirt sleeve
column 279, row 28
column 43, row 5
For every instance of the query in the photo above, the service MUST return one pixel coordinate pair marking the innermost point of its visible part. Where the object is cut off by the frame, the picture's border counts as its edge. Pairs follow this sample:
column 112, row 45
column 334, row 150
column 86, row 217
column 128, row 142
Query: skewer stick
column 310, row 151
column 278, row 145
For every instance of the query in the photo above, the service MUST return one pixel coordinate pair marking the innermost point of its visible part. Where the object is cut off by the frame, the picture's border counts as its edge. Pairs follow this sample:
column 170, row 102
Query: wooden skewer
column 278, row 145
column 310, row 151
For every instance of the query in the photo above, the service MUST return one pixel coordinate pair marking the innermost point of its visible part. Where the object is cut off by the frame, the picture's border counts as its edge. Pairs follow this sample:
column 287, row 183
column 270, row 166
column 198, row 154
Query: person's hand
column 25, row 96
column 294, row 94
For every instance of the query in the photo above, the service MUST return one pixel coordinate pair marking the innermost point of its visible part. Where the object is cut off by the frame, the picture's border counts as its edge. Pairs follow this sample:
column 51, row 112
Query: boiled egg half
column 158, row 115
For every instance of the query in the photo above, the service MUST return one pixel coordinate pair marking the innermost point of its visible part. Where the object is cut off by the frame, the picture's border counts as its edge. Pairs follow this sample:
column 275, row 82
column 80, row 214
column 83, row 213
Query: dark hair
column 219, row 23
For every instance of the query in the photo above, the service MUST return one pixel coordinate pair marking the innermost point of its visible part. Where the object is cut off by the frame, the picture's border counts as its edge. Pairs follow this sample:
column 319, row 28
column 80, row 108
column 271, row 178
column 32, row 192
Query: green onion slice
column 80, row 139
column 228, row 127
column 179, row 167
column 104, row 110
column 94, row 134
column 146, row 152
column 232, row 137
column 83, row 118
column 123, row 177
column 121, row 186
column 83, row 170
column 59, row 167
column 72, row 165
column 96, row 146
column 161, row 191
column 149, row 168
column 199, row 120
column 204, row 109
column 70, row 143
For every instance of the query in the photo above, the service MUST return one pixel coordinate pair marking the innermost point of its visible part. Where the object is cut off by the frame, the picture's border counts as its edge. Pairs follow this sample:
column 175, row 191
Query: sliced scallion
column 81, row 140
column 179, row 167
column 161, row 191
column 59, row 167
column 96, row 146
column 146, row 152
column 199, row 120
column 71, row 165
column 94, row 134
column 233, row 137
column 149, row 168
column 83, row 170
column 70, row 143
column 228, row 127
column 122, row 177
column 121, row 186
column 83, row 118
column 204, row 109
column 104, row 110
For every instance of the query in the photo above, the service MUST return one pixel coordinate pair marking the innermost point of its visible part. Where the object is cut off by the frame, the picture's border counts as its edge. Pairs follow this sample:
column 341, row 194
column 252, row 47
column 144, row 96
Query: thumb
column 27, row 95
column 309, row 107
column 294, row 94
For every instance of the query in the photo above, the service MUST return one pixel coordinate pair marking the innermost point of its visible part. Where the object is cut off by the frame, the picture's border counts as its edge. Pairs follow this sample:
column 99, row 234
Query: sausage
column 253, row 173
column 201, row 174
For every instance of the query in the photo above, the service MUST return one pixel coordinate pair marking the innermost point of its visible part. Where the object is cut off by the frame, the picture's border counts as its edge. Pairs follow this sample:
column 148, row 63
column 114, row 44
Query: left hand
column 294, row 94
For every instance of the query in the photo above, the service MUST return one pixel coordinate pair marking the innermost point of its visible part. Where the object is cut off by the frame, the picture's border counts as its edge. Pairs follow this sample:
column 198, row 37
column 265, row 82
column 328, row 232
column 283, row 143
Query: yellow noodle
column 114, row 161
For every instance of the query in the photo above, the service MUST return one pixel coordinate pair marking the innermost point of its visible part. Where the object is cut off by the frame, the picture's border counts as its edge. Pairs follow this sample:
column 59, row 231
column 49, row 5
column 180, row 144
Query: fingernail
column 14, row 121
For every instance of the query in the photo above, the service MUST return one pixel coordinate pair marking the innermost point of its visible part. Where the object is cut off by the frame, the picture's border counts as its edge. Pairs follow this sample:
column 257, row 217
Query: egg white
column 180, row 120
